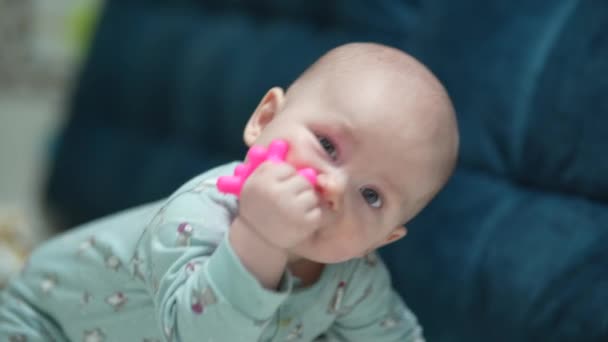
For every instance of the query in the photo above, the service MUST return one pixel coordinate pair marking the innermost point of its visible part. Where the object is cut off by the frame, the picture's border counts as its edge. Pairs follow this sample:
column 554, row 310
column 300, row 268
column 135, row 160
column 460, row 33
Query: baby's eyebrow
column 344, row 131
column 390, row 190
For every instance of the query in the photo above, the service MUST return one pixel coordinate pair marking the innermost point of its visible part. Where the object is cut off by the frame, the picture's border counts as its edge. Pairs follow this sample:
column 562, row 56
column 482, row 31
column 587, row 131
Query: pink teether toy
column 276, row 152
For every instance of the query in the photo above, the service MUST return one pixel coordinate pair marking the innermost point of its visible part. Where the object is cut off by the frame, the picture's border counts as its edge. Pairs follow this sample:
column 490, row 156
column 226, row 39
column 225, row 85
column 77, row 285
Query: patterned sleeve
column 372, row 310
column 200, row 288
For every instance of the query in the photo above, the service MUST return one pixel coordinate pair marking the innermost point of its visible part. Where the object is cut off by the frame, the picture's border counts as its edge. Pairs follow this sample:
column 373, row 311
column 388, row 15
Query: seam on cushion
column 521, row 111
column 532, row 187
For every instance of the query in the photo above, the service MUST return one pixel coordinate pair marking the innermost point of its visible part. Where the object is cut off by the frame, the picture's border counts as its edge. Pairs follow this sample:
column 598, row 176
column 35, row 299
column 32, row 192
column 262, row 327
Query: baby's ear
column 396, row 234
column 266, row 110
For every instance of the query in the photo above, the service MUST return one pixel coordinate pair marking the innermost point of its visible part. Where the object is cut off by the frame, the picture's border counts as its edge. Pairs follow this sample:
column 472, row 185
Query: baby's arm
column 373, row 310
column 201, row 290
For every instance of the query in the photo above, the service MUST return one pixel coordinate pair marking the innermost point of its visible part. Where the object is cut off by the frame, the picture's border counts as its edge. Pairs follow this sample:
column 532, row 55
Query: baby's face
column 373, row 162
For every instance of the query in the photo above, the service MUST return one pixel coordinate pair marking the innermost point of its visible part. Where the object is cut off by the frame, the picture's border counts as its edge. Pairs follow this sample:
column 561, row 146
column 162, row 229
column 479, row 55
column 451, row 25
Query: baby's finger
column 297, row 184
column 313, row 218
column 307, row 200
column 279, row 172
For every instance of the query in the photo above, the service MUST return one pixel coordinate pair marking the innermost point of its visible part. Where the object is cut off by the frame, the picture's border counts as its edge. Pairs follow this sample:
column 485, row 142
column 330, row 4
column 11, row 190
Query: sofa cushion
column 529, row 86
column 564, row 139
column 528, row 265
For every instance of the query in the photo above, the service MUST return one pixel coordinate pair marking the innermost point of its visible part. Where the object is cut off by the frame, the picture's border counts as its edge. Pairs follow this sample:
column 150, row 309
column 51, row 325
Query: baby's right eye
column 371, row 197
column 328, row 146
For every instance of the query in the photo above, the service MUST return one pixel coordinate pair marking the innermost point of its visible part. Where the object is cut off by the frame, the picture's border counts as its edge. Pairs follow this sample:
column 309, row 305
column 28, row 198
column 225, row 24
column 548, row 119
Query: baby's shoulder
column 369, row 266
column 362, row 274
column 359, row 280
column 198, row 199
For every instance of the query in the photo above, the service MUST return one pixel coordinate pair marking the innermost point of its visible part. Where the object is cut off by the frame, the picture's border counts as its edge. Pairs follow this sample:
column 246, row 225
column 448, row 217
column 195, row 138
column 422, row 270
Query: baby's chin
column 311, row 253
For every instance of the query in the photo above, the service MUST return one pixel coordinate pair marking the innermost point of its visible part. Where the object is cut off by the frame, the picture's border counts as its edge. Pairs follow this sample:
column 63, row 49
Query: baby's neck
column 307, row 271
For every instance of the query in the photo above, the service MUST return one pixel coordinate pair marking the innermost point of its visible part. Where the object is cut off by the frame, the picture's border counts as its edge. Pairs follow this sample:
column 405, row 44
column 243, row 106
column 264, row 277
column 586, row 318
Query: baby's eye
column 372, row 197
column 328, row 146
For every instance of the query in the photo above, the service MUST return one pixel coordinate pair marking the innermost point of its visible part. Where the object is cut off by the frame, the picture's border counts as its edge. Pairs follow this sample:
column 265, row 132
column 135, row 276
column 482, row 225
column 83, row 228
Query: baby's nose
column 332, row 188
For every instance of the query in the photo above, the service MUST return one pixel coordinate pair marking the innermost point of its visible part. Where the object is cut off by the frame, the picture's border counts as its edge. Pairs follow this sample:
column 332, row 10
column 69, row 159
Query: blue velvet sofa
column 516, row 246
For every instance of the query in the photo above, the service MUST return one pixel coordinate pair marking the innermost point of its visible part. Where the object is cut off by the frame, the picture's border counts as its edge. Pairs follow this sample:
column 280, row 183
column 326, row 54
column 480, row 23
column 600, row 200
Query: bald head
column 376, row 79
column 354, row 58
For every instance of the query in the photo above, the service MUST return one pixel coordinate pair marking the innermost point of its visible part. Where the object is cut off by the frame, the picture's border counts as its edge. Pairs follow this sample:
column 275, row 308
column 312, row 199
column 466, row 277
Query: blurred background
column 106, row 104
column 41, row 47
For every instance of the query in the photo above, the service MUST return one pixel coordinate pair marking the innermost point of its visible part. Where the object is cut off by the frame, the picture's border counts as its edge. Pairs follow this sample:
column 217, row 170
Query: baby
column 288, row 260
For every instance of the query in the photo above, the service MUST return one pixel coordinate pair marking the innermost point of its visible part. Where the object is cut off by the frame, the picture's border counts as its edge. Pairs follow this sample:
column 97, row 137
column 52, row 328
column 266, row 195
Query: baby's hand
column 256, row 155
column 280, row 205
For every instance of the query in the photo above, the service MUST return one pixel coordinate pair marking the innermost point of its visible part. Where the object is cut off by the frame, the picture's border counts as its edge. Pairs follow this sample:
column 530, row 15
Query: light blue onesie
column 166, row 272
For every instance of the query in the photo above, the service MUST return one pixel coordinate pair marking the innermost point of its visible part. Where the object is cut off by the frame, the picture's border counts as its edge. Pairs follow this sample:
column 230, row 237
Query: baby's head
column 381, row 131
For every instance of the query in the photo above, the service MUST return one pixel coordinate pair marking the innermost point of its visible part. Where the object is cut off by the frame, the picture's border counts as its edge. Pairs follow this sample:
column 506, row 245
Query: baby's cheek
column 350, row 243
column 300, row 158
